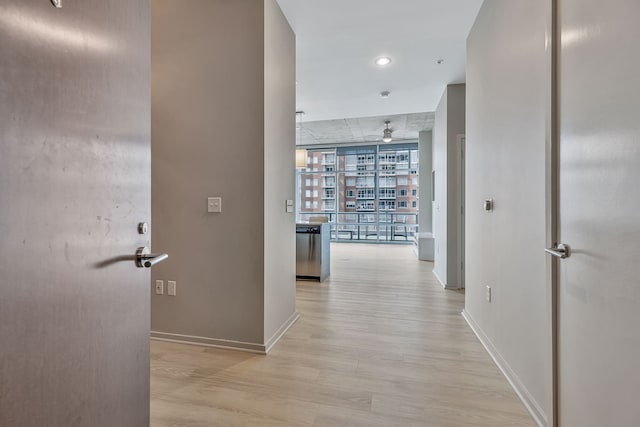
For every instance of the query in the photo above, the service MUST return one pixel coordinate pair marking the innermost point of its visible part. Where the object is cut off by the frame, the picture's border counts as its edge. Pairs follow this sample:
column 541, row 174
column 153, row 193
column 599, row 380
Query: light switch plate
column 214, row 204
column 289, row 206
column 171, row 288
column 159, row 287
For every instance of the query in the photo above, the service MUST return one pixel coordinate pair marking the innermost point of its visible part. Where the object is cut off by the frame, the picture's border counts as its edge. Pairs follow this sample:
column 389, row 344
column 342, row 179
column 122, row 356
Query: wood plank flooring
column 379, row 344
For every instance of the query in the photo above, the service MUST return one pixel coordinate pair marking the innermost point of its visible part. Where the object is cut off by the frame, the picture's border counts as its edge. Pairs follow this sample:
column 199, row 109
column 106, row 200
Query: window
column 387, row 205
column 328, row 159
column 387, row 193
column 370, row 185
column 365, row 205
column 328, row 181
column 366, row 159
column 366, row 181
column 366, row 193
column 387, row 181
column 350, row 163
column 387, row 158
column 328, row 205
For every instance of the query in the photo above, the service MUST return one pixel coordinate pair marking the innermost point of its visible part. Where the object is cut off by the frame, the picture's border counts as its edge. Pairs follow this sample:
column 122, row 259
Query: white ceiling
column 338, row 41
column 363, row 129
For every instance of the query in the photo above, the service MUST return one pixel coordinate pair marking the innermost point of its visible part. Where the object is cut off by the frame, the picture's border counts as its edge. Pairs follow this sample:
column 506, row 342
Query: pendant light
column 386, row 135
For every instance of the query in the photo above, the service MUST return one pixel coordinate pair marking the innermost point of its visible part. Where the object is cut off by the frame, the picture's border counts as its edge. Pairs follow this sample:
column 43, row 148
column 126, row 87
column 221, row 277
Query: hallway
column 379, row 344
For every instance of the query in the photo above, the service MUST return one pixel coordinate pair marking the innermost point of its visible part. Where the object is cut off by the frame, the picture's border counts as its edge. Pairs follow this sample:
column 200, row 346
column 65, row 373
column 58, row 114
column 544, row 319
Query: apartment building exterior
column 366, row 192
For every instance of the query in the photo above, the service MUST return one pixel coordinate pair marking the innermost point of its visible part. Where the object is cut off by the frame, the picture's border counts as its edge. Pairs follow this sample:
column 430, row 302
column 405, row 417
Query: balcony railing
column 381, row 227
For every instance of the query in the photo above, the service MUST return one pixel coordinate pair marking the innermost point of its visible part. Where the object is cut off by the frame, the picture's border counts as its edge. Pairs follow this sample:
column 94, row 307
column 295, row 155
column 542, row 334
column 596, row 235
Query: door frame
column 461, row 160
column 552, row 150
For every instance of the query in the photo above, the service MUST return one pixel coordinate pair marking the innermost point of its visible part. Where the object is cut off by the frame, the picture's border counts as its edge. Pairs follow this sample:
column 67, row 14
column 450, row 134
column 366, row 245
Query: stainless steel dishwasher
column 312, row 251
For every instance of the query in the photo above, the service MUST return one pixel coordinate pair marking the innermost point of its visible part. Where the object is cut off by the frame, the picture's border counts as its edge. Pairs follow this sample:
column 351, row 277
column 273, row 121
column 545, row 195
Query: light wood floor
column 380, row 344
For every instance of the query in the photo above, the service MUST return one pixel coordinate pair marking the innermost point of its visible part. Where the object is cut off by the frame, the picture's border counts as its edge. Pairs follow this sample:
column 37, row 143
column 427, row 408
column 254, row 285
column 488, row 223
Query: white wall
column 222, row 115
column 449, row 123
column 505, row 160
column 279, row 173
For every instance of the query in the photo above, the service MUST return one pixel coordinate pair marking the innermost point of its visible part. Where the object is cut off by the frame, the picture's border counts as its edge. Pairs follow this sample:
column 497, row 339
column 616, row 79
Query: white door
column 74, row 184
column 598, row 291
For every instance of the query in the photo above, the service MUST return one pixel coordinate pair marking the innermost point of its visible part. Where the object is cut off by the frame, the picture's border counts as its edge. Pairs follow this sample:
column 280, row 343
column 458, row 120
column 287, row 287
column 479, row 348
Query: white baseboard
column 209, row 342
column 228, row 344
column 527, row 399
column 445, row 285
column 435, row 273
column 281, row 331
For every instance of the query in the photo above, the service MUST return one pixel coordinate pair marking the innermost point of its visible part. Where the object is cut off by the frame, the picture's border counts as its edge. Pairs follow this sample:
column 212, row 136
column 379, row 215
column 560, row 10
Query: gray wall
column 210, row 138
column 449, row 123
column 425, row 214
column 506, row 87
column 279, row 173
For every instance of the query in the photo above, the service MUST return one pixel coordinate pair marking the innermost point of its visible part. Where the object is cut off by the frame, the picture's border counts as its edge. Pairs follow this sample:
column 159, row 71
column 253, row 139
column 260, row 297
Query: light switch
column 214, row 204
column 171, row 288
column 159, row 287
column 289, row 206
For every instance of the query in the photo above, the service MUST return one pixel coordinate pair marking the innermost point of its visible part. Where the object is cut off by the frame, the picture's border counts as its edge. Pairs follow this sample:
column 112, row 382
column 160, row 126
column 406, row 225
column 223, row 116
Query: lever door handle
column 144, row 258
column 559, row 250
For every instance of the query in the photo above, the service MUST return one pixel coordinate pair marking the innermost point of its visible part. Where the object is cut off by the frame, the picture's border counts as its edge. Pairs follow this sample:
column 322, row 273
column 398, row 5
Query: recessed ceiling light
column 385, row 94
column 385, row 60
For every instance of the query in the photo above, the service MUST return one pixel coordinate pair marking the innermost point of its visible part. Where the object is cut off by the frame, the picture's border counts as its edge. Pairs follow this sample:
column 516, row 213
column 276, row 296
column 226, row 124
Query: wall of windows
column 368, row 193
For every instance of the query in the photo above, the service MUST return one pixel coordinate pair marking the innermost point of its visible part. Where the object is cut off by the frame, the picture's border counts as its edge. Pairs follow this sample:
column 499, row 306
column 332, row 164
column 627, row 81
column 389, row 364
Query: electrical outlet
column 214, row 204
column 171, row 288
column 159, row 287
column 488, row 293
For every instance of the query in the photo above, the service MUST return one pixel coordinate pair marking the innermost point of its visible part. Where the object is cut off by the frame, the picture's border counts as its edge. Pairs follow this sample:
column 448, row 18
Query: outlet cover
column 171, row 288
column 214, row 204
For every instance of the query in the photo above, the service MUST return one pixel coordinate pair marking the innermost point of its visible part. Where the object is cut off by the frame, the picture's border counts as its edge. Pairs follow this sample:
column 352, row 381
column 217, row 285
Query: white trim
column 209, row 342
column 435, row 273
column 527, row 399
column 445, row 285
column 281, row 331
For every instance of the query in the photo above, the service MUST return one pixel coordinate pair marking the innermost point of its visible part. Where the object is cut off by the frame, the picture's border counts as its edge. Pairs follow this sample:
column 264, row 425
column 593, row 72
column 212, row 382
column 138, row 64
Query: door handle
column 559, row 250
column 144, row 258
